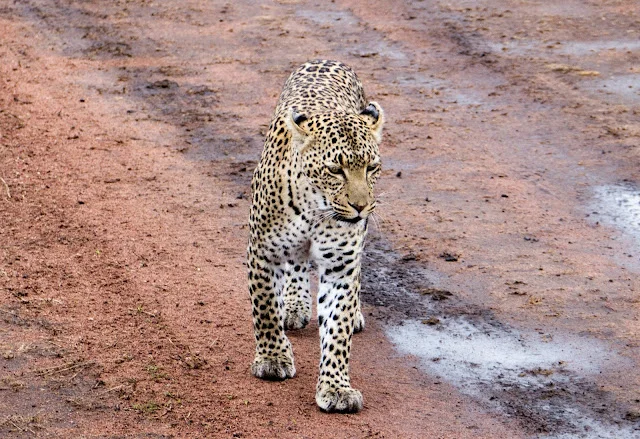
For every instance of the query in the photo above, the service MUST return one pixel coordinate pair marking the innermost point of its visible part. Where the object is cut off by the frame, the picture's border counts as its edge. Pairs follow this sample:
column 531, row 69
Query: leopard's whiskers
column 319, row 218
column 374, row 216
column 319, row 211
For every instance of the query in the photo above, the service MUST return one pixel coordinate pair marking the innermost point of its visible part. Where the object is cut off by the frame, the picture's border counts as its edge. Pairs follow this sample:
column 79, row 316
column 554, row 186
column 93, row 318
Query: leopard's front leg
column 358, row 325
column 274, row 355
column 339, row 270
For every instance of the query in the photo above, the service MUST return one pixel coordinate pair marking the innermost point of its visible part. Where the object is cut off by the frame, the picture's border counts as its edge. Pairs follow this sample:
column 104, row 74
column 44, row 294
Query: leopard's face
column 339, row 154
column 345, row 172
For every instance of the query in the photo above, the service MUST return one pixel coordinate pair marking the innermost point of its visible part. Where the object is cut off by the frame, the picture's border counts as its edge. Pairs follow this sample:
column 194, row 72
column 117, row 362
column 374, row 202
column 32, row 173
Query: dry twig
column 6, row 187
column 64, row 368
column 111, row 389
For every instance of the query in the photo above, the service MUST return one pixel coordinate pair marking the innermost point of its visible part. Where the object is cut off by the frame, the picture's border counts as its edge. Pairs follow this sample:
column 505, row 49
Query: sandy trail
column 129, row 133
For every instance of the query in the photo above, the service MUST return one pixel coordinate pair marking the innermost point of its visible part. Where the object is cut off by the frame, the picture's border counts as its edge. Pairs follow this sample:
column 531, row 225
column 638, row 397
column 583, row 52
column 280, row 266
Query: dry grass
column 21, row 423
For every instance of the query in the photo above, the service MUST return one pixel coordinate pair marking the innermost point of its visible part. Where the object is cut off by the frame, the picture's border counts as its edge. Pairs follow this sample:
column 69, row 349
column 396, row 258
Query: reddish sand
column 128, row 137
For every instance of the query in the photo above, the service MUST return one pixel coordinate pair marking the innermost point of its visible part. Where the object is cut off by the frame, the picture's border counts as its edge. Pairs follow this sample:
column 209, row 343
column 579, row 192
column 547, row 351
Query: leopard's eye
column 335, row 170
column 373, row 168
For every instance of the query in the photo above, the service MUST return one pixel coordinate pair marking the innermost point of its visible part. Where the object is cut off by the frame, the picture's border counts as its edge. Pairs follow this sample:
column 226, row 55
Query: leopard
column 312, row 198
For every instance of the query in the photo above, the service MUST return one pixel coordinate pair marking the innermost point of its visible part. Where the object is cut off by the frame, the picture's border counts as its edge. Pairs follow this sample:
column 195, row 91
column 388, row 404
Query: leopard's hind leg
column 297, row 297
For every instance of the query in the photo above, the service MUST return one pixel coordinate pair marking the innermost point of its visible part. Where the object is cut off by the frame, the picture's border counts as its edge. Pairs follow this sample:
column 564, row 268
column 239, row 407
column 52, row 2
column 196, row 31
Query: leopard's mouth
column 350, row 213
column 355, row 219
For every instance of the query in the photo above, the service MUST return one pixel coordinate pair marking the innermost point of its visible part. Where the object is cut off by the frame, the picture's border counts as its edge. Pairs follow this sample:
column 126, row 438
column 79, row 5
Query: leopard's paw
column 358, row 325
column 296, row 319
column 341, row 400
column 276, row 369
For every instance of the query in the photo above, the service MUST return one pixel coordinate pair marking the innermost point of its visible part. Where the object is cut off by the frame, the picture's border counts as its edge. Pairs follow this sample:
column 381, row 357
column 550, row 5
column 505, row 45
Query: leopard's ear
column 374, row 117
column 299, row 134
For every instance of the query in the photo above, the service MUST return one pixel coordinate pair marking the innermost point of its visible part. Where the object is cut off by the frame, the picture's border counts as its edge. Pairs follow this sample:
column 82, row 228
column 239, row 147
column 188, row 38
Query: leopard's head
column 339, row 155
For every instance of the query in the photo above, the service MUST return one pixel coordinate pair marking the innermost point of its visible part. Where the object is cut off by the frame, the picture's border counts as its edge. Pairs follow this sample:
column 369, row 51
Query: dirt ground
column 128, row 134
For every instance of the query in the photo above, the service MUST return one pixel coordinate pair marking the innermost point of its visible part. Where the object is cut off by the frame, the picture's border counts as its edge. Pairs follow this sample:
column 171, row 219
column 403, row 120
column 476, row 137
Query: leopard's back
column 322, row 86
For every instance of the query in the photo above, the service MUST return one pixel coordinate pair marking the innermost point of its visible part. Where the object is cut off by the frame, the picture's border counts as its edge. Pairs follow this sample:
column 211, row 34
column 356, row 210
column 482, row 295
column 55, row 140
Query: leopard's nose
column 358, row 205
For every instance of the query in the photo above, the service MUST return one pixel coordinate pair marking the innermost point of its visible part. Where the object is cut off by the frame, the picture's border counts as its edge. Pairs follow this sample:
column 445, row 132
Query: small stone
column 431, row 321
column 449, row 257
column 632, row 415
